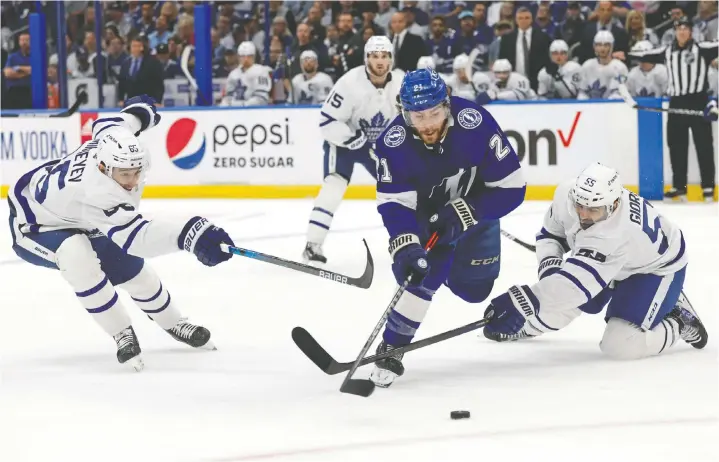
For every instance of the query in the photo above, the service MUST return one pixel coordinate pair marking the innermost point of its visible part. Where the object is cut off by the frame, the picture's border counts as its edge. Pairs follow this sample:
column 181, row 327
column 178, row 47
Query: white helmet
column 308, row 54
column 643, row 45
column 378, row 43
column 246, row 49
column 118, row 147
column 502, row 65
column 460, row 62
column 425, row 62
column 604, row 36
column 559, row 46
column 596, row 186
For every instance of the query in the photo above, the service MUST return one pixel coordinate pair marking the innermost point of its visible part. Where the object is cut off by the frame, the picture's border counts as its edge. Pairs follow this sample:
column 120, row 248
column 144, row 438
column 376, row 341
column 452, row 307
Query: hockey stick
column 627, row 97
column 81, row 99
column 527, row 246
column 364, row 281
column 328, row 365
column 365, row 387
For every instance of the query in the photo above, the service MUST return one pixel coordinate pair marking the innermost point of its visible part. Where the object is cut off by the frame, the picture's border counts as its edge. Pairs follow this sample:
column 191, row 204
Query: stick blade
column 365, row 281
column 359, row 387
column 312, row 349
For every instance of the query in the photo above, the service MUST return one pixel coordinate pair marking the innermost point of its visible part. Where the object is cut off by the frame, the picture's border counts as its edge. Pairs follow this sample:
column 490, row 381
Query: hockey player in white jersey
column 601, row 76
column 561, row 78
column 425, row 62
column 463, row 83
column 361, row 104
column 311, row 86
column 79, row 214
column 249, row 84
column 647, row 79
column 504, row 85
column 622, row 252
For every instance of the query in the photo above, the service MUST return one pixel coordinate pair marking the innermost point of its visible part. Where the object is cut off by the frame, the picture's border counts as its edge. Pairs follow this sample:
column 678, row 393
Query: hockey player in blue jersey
column 444, row 165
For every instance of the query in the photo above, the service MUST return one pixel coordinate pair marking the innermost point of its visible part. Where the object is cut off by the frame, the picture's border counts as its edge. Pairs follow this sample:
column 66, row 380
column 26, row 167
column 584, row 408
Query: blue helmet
column 422, row 89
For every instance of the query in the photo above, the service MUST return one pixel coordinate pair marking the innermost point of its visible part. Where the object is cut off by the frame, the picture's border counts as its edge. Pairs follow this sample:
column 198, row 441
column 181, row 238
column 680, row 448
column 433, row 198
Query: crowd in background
column 143, row 42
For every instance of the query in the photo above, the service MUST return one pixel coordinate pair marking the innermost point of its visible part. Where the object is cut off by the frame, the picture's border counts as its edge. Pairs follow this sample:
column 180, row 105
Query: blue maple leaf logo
column 596, row 90
column 374, row 127
column 645, row 92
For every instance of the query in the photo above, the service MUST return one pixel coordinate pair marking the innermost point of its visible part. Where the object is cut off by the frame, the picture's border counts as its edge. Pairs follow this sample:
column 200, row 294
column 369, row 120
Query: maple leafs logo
column 374, row 127
column 645, row 92
column 596, row 90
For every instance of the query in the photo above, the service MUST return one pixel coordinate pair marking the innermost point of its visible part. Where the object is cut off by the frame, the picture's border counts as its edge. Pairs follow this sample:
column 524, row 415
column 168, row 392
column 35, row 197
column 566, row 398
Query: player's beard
column 375, row 73
column 430, row 136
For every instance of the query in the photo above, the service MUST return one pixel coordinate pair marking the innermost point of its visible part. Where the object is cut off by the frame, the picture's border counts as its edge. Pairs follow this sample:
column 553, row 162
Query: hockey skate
column 708, row 195
column 313, row 254
column 128, row 349
column 387, row 370
column 691, row 328
column 499, row 337
column 190, row 334
column 676, row 194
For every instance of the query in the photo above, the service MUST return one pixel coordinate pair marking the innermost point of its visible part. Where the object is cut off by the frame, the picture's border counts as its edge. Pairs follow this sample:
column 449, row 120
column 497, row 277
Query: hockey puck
column 456, row 415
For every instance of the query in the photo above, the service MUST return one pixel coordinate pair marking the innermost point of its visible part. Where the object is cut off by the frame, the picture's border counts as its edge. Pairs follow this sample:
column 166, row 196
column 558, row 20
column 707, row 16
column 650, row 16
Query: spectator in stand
column 440, row 45
column 570, row 29
column 332, row 43
column 281, row 86
column 277, row 9
column 279, row 30
column 253, row 32
column 140, row 74
column 450, row 11
column 161, row 34
column 485, row 32
column 543, row 21
column 706, row 20
column 500, row 11
column 146, row 22
column 89, row 22
column 421, row 18
column 17, row 74
column 466, row 41
column 85, row 66
column 170, row 67
column 605, row 21
column 170, row 12
column 341, row 60
column 675, row 14
column 369, row 13
column 385, row 10
column 175, row 46
column 228, row 64
column 110, row 33
column 53, row 92
column 408, row 48
column 186, row 30
column 218, row 50
column 115, row 57
column 637, row 30
column 526, row 48
column 115, row 16
column 348, row 7
column 187, row 9
column 304, row 42
column 412, row 27
column 318, row 32
column 501, row 29
column 224, row 31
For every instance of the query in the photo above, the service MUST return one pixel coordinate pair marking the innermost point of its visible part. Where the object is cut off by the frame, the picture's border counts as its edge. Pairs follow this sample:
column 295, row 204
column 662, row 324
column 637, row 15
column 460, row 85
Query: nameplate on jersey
column 114, row 210
column 592, row 254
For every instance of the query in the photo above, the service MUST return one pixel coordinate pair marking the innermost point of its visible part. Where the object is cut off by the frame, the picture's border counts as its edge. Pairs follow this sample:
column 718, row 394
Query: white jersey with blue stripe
column 635, row 239
column 72, row 193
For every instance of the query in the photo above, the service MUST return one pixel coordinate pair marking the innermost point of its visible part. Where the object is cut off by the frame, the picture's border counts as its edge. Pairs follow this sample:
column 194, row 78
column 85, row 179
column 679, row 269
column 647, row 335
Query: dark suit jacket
column 148, row 80
column 585, row 50
column 538, row 52
column 412, row 49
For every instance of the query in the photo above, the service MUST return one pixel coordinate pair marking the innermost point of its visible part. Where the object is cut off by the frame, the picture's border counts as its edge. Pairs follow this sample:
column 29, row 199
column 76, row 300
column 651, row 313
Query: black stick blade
column 358, row 387
column 312, row 349
column 365, row 281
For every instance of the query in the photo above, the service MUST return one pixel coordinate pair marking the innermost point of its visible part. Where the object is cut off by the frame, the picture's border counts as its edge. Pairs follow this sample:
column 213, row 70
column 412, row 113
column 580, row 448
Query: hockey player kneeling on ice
column 624, row 253
column 444, row 165
column 80, row 215
column 361, row 104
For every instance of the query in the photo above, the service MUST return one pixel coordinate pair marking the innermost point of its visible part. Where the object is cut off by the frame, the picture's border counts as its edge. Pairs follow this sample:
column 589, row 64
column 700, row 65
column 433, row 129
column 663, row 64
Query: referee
column 688, row 64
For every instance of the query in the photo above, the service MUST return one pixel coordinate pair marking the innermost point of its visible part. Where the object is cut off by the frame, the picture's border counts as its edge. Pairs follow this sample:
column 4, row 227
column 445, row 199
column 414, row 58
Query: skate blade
column 210, row 346
column 136, row 363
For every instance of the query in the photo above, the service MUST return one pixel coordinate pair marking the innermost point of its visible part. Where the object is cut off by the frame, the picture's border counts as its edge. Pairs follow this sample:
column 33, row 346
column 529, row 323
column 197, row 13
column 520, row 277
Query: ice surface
column 63, row 397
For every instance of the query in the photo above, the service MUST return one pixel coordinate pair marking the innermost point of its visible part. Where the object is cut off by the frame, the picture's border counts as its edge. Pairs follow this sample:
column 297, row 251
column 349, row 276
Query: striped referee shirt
column 688, row 66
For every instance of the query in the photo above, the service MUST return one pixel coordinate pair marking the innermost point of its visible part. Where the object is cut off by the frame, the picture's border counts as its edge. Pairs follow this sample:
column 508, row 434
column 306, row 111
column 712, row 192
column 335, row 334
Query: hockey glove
column 143, row 107
column 711, row 113
column 202, row 238
column 511, row 310
column 357, row 141
column 553, row 70
column 409, row 259
column 549, row 266
column 452, row 220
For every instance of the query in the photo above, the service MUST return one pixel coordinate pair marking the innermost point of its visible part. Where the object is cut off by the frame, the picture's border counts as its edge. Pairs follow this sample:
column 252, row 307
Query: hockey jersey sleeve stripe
column 93, row 290
column 104, row 307
column 133, row 234
column 544, row 234
column 117, row 229
column 576, row 282
column 588, row 268
column 407, row 199
column 513, row 180
column 680, row 254
column 328, row 119
column 106, row 120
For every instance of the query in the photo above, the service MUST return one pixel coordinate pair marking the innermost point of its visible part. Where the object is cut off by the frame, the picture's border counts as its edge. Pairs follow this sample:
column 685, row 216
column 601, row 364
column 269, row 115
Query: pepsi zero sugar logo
column 185, row 144
column 238, row 139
